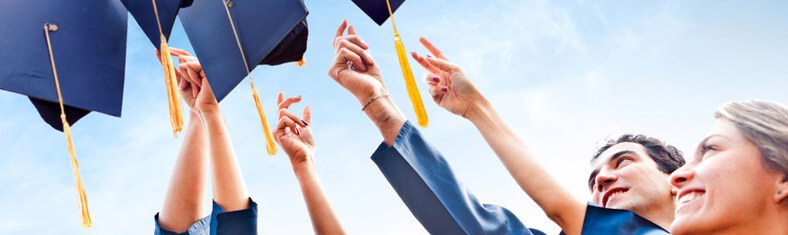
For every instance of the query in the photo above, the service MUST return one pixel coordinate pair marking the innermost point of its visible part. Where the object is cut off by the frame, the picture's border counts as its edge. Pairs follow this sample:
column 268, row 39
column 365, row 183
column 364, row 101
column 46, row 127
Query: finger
column 181, row 84
column 356, row 49
column 354, row 39
column 184, row 73
column 432, row 79
column 308, row 113
column 351, row 30
column 443, row 65
column 424, row 63
column 280, row 98
column 286, row 113
column 193, row 75
column 195, row 70
column 179, row 52
column 437, row 93
column 345, row 55
column 289, row 101
column 195, row 89
column 282, row 125
column 158, row 54
column 434, row 50
column 340, row 31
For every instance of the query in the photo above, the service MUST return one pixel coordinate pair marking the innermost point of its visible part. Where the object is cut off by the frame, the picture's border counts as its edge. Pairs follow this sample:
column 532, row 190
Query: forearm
column 324, row 221
column 554, row 199
column 185, row 197
column 387, row 117
column 229, row 190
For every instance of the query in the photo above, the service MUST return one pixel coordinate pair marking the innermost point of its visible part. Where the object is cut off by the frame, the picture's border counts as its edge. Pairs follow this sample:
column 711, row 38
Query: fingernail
column 304, row 122
column 299, row 96
column 298, row 132
column 444, row 89
column 436, row 79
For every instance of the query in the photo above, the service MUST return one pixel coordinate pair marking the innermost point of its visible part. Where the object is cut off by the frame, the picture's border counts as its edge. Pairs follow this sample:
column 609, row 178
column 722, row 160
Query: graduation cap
column 69, row 58
column 379, row 11
column 231, row 37
column 156, row 19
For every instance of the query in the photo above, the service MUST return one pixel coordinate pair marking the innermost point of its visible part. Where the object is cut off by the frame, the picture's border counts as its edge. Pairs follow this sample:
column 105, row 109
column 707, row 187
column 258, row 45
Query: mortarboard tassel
column 83, row 200
column 301, row 62
column 173, row 95
column 269, row 138
column 410, row 82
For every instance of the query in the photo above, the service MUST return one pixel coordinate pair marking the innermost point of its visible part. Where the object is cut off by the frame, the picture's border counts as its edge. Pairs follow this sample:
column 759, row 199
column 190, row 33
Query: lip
column 610, row 192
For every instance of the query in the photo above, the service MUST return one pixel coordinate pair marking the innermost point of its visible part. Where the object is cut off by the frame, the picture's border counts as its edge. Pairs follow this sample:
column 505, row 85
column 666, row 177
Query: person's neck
column 662, row 216
column 770, row 222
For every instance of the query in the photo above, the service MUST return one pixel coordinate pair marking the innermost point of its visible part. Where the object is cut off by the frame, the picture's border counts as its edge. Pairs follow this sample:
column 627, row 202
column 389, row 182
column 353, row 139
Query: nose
column 681, row 176
column 604, row 180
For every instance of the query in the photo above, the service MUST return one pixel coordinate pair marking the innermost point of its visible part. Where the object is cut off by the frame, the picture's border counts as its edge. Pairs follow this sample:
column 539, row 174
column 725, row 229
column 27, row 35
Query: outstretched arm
column 295, row 136
column 416, row 171
column 184, row 202
column 229, row 189
column 451, row 89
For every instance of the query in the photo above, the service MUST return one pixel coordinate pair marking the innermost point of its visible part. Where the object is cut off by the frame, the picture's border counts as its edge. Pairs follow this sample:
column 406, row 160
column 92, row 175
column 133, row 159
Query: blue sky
column 566, row 75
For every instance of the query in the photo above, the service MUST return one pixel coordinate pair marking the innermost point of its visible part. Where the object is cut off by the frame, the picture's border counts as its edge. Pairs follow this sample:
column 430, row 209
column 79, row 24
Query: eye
column 707, row 148
column 623, row 161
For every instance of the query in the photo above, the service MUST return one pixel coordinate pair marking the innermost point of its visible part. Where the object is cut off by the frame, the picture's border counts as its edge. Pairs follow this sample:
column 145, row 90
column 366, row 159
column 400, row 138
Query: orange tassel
column 410, row 82
column 176, row 108
column 83, row 199
column 269, row 138
column 301, row 62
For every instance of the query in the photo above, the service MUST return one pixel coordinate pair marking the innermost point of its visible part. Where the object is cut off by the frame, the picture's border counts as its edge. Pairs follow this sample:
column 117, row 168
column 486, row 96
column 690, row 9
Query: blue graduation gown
column 220, row 222
column 427, row 185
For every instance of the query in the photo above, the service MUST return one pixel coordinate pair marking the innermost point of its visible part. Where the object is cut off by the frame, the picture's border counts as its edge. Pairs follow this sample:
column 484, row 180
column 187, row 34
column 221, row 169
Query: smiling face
column 626, row 177
column 724, row 186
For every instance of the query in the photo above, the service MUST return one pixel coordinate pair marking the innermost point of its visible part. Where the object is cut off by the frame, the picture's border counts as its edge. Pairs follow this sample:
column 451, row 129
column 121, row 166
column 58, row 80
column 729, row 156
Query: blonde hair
column 765, row 123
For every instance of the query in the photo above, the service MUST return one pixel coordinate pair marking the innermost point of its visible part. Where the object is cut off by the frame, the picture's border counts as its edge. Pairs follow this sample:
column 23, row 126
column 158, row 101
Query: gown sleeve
column 430, row 190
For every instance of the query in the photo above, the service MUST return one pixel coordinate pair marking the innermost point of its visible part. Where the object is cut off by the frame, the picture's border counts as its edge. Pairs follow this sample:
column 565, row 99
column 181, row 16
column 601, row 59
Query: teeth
column 689, row 197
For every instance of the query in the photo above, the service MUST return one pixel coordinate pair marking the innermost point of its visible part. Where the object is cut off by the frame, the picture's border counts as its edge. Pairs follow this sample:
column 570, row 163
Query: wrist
column 302, row 166
column 479, row 111
column 365, row 96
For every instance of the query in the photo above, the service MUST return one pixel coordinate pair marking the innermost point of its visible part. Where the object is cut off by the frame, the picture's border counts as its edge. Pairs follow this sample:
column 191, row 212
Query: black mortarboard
column 271, row 32
column 156, row 18
column 89, row 50
column 143, row 12
column 231, row 37
column 377, row 9
column 67, row 56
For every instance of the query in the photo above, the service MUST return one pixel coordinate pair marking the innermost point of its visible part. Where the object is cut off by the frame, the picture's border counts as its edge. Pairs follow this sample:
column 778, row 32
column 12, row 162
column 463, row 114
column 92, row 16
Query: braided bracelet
column 373, row 99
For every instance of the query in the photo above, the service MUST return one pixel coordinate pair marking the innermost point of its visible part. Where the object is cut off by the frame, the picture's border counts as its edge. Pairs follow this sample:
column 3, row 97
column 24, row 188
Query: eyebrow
column 613, row 158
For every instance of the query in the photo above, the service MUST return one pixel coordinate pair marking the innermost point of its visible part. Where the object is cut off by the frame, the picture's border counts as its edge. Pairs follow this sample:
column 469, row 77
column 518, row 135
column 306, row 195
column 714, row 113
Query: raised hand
column 293, row 133
column 449, row 87
column 353, row 67
column 192, row 82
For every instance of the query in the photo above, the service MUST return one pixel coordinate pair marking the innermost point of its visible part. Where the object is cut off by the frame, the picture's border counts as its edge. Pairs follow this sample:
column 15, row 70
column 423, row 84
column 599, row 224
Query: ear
column 782, row 189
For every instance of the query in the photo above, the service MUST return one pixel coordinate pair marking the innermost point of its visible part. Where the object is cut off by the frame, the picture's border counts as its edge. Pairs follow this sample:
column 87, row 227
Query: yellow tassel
column 410, row 83
column 301, row 62
column 83, row 199
column 176, row 108
column 269, row 138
